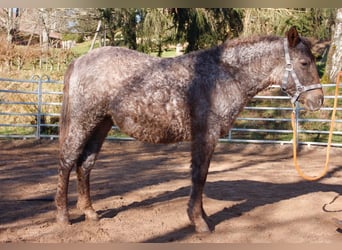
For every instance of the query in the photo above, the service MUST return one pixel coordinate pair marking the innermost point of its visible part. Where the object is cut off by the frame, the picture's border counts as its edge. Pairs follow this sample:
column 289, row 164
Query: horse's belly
column 155, row 130
column 154, row 122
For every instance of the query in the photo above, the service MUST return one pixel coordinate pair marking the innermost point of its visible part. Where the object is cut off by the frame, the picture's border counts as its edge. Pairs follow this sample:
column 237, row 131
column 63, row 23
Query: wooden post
column 94, row 39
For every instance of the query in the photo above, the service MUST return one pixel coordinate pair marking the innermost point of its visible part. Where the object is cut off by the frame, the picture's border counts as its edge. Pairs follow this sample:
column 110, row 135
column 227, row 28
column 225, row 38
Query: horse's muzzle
column 313, row 102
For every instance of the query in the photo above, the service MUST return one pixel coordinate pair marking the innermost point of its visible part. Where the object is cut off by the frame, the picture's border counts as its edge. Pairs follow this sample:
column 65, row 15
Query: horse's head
column 301, row 80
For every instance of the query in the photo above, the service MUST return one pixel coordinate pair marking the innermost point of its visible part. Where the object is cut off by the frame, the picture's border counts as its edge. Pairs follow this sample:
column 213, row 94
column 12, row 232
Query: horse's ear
column 293, row 37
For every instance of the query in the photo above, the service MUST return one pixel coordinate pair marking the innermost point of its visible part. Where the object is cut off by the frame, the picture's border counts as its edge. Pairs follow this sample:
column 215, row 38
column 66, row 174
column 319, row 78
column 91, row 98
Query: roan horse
column 195, row 97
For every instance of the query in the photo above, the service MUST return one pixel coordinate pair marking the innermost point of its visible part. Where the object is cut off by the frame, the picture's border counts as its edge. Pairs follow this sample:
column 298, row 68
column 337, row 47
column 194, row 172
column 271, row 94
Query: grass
column 166, row 53
column 82, row 48
column 17, row 131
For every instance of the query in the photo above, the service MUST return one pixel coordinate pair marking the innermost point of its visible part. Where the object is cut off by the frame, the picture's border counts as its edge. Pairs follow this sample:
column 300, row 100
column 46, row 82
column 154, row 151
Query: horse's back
column 144, row 95
column 102, row 73
column 109, row 66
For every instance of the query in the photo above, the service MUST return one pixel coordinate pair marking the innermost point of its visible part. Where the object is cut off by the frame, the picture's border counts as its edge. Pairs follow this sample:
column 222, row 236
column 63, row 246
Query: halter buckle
column 289, row 67
column 300, row 89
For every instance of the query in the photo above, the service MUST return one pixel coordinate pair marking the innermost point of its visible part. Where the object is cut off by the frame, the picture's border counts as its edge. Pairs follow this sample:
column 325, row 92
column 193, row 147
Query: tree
column 111, row 22
column 120, row 26
column 9, row 17
column 203, row 27
column 83, row 21
column 334, row 61
column 157, row 28
column 312, row 22
column 43, row 21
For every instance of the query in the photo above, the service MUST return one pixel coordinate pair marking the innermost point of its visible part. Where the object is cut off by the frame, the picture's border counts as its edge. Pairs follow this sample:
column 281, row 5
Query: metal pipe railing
column 40, row 108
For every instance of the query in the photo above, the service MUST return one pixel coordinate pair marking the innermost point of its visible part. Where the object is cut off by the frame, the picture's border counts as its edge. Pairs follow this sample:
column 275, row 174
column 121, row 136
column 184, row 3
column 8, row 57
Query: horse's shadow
column 253, row 194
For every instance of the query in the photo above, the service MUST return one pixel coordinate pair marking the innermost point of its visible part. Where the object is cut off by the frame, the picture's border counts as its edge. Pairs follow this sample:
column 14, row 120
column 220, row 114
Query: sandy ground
column 140, row 192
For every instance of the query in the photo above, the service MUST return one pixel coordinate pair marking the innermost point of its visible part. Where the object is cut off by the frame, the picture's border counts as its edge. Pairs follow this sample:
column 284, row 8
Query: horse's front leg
column 202, row 149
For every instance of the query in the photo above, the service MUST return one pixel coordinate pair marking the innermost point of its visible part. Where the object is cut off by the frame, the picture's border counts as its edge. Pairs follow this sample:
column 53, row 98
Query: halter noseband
column 289, row 69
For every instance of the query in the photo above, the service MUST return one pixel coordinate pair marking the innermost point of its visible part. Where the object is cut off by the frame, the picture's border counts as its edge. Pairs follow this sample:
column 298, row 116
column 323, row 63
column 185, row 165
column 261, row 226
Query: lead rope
column 332, row 124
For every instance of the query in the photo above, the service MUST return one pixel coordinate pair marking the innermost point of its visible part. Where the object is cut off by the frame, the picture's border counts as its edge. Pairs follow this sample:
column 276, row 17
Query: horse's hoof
column 62, row 219
column 91, row 215
column 202, row 229
column 201, row 226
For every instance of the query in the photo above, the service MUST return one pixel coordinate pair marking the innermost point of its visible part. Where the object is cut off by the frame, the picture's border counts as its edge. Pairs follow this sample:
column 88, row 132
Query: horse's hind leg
column 85, row 164
column 71, row 147
column 62, row 193
column 79, row 150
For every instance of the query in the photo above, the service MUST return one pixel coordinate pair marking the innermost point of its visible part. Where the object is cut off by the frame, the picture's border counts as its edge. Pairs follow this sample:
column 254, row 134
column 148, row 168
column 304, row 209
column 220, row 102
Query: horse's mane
column 249, row 40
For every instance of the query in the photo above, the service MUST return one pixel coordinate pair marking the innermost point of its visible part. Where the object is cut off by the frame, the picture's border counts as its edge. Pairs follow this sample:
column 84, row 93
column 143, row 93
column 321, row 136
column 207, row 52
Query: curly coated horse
column 194, row 97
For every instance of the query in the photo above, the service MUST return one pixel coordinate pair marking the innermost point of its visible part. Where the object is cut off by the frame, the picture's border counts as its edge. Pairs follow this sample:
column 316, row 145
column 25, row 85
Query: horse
column 195, row 97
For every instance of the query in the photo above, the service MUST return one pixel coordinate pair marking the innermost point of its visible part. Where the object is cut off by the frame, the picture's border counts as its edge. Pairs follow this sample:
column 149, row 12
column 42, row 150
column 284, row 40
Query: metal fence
column 312, row 127
column 30, row 109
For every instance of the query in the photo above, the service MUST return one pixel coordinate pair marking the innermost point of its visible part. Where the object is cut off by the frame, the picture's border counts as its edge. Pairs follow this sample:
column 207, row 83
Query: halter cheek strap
column 289, row 69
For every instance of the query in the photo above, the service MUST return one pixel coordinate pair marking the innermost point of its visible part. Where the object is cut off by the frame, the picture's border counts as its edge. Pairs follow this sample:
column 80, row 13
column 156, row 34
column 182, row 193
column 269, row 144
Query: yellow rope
column 332, row 124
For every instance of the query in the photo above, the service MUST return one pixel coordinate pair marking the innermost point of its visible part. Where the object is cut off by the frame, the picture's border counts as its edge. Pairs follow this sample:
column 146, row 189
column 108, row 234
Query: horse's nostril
column 321, row 100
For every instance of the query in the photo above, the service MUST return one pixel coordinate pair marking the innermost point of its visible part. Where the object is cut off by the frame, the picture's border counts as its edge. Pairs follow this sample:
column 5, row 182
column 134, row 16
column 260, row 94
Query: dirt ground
column 140, row 191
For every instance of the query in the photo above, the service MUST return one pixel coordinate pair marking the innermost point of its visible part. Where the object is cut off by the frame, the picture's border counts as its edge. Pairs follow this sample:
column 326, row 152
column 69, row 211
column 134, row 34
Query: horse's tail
column 65, row 111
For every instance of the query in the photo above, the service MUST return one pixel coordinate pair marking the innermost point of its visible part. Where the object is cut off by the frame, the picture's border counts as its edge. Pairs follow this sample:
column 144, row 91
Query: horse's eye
column 304, row 63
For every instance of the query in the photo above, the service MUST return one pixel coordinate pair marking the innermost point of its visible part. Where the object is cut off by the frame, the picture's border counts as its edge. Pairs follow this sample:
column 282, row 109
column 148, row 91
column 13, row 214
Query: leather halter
column 289, row 69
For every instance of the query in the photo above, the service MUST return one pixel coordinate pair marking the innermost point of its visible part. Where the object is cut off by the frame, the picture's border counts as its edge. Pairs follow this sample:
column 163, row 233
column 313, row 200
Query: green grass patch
column 83, row 48
column 17, row 131
column 166, row 53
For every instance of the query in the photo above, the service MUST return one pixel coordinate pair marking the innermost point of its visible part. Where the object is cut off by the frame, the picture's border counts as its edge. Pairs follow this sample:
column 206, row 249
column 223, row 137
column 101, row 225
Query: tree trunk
column 10, row 26
column 334, row 63
column 45, row 40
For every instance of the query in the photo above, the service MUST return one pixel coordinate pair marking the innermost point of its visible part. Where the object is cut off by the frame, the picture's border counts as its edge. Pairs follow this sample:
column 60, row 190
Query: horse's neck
column 256, row 63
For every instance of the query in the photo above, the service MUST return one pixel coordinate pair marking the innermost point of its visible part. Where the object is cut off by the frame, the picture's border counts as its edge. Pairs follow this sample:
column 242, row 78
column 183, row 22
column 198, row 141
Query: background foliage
column 149, row 30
